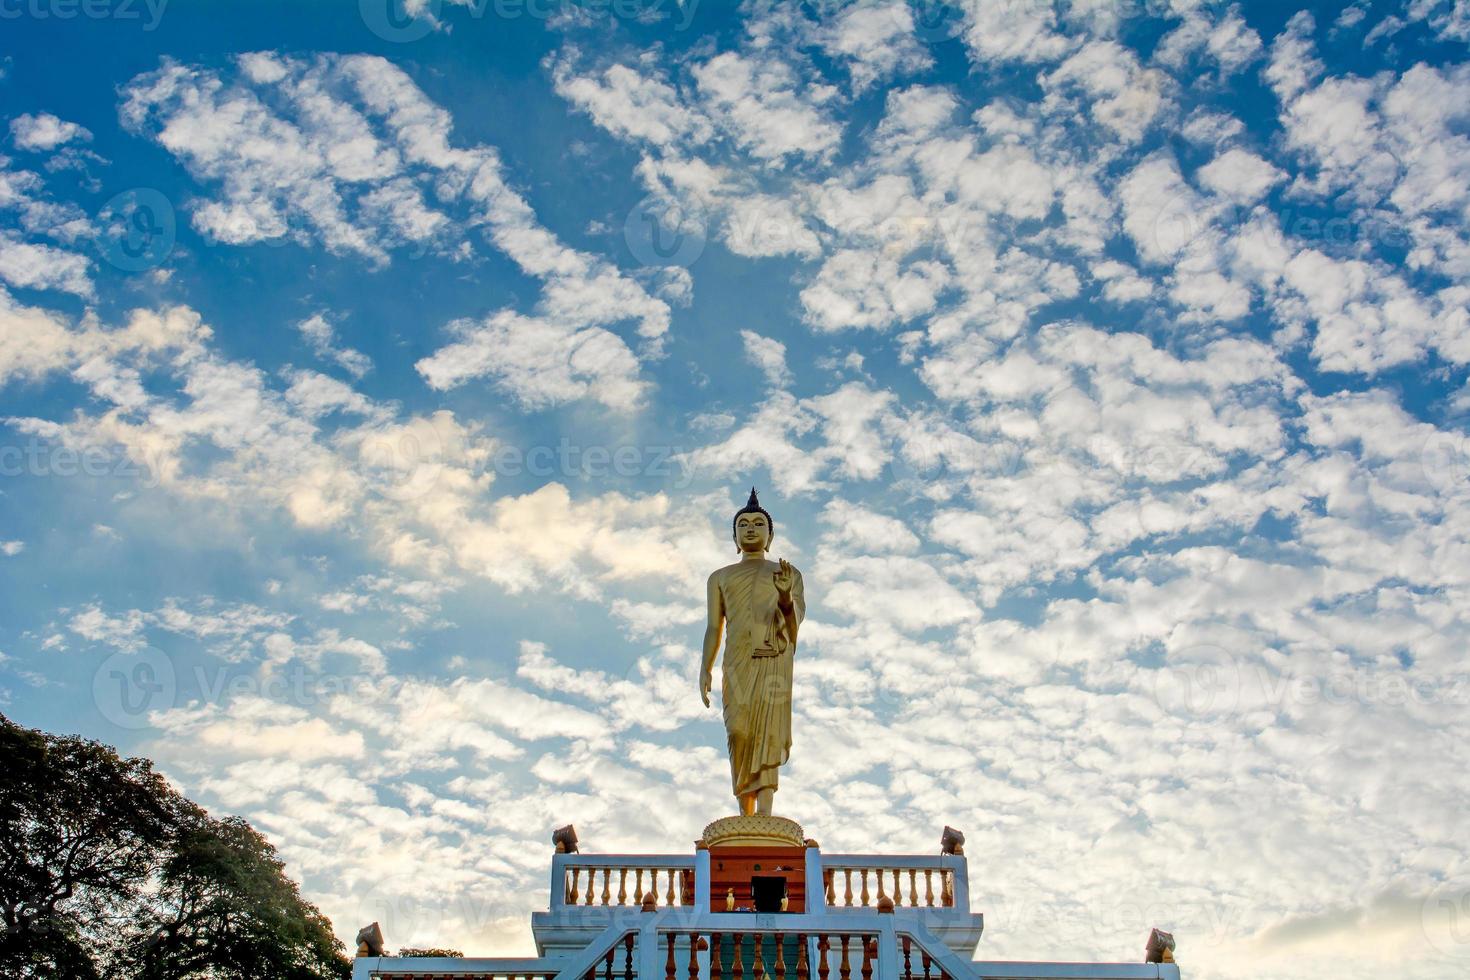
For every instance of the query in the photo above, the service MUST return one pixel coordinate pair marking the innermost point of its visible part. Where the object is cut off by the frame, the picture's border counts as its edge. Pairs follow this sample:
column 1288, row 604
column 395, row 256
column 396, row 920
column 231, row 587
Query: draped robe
column 755, row 682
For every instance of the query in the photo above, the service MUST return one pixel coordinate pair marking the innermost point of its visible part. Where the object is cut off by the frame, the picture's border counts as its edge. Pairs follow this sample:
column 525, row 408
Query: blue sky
column 377, row 385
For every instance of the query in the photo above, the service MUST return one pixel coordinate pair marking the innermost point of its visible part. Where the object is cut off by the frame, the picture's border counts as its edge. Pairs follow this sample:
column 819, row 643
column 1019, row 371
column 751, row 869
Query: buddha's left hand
column 782, row 579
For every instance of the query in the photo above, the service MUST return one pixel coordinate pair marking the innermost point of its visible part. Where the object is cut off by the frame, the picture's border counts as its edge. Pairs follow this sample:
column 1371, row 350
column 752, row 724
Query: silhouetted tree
column 81, row 832
column 109, row 872
column 226, row 909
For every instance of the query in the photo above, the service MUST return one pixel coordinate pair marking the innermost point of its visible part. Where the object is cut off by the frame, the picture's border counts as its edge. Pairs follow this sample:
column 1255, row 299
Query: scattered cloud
column 43, row 132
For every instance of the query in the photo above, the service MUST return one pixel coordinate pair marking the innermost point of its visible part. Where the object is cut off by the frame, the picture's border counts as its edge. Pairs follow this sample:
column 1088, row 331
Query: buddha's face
column 753, row 533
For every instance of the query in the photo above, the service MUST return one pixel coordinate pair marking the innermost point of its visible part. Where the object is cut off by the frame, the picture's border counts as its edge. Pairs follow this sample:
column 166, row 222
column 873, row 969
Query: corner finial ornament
column 370, row 940
column 1160, row 947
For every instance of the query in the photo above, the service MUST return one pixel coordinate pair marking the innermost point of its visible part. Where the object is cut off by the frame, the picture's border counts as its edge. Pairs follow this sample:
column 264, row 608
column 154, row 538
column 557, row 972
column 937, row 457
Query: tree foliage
column 109, row 872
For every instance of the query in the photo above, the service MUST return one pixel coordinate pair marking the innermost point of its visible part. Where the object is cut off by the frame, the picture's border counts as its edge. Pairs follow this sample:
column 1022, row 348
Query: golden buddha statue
column 761, row 604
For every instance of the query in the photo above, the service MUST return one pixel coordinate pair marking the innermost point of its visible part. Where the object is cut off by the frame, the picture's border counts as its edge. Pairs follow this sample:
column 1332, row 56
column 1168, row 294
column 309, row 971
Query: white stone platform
column 653, row 917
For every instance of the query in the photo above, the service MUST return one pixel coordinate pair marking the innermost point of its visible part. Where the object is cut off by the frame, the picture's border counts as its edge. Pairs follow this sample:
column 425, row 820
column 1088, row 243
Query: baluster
column 780, row 957
column 831, row 892
column 628, row 957
column 737, row 967
column 622, row 886
column 908, row 970
column 591, row 973
column 758, row 966
column 638, row 888
column 669, row 968
column 576, row 873
column 946, row 894
column 844, row 968
column 694, row 956
column 669, row 895
column 608, row 959
column 870, row 950
column 847, row 874
column 822, row 947
column 864, row 873
column 591, row 885
column 929, row 888
column 927, row 961
column 714, row 956
column 606, row 886
column 914, row 887
column 803, row 969
column 897, row 890
column 897, row 899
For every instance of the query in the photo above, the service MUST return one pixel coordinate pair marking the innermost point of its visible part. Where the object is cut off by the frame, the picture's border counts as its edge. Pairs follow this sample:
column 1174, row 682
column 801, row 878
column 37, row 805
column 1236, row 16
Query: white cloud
column 1294, row 64
column 1368, row 319
column 866, row 289
column 631, row 105
column 855, row 529
column 36, row 266
column 763, row 225
column 1161, row 213
column 341, row 150
column 1124, row 284
column 876, row 40
column 1124, row 96
column 36, row 342
column 538, row 362
column 1211, row 128
column 769, row 355
column 11, row 548
column 909, row 594
column 96, row 626
column 1240, row 175
column 1228, row 40
column 45, row 132
column 756, row 101
column 1001, row 32
column 318, row 332
column 1449, row 18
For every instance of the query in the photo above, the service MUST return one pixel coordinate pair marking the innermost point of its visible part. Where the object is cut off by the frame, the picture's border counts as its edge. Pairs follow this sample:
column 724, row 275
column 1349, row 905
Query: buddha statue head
column 752, row 527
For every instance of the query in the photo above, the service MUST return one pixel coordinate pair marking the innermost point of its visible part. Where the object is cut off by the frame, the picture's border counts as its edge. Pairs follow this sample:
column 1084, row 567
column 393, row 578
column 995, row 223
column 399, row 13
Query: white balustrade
column 620, row 880
column 910, row 881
